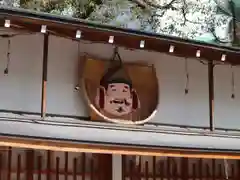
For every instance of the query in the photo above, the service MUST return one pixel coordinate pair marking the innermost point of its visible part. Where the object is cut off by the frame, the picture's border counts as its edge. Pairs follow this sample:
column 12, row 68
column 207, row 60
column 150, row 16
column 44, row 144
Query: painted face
column 118, row 90
column 118, row 99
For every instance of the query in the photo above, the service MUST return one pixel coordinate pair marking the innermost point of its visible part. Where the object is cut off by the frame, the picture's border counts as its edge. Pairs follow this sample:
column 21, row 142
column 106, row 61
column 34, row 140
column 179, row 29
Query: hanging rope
column 187, row 77
column 116, row 56
column 233, row 83
column 226, row 168
column 78, row 53
column 8, row 56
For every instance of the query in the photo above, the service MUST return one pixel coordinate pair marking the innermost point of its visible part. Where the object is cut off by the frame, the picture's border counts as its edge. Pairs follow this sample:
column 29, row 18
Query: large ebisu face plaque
column 120, row 93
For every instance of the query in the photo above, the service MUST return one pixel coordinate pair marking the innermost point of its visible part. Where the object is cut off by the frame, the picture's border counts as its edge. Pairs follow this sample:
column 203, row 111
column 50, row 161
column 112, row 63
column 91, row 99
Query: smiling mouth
column 120, row 101
column 120, row 110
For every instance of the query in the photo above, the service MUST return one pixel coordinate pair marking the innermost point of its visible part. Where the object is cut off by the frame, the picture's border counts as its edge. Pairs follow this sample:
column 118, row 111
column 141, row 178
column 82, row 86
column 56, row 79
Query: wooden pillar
column 44, row 75
column 211, row 94
column 29, row 164
column 105, row 166
column 184, row 169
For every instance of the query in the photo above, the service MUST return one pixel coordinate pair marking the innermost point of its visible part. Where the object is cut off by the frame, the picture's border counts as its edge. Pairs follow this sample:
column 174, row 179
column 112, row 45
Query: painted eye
column 113, row 89
column 124, row 90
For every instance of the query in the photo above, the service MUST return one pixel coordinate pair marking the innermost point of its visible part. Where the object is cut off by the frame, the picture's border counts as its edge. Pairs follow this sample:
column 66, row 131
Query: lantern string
column 8, row 56
column 233, row 83
column 187, row 77
column 77, row 87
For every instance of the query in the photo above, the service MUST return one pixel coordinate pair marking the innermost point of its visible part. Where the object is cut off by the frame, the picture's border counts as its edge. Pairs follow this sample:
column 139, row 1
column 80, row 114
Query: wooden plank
column 238, row 169
column 57, row 168
column 39, row 167
column 139, row 170
column 220, row 172
column 146, row 171
column 66, row 165
column 106, row 166
column 49, row 164
column 168, row 167
column 233, row 177
column 83, row 164
column 124, row 169
column 194, row 171
column 131, row 170
column 213, row 169
column 207, row 170
column 162, row 170
column 75, row 170
column 9, row 163
column 18, row 166
column 91, row 169
column 200, row 169
column 1, row 166
column 29, row 164
column 154, row 167
column 184, row 169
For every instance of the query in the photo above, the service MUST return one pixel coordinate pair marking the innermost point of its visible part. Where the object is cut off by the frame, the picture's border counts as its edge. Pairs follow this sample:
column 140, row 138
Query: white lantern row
column 111, row 40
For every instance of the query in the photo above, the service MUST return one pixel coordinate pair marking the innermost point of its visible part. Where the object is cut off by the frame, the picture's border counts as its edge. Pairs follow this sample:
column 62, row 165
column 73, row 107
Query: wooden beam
column 122, row 37
column 44, row 75
column 211, row 94
column 113, row 149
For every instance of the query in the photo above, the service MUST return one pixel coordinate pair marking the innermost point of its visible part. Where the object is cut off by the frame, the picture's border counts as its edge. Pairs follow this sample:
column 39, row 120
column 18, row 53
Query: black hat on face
column 115, row 74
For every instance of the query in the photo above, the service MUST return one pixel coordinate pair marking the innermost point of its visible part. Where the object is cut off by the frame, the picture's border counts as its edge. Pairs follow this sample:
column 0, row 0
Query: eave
column 98, row 138
column 67, row 27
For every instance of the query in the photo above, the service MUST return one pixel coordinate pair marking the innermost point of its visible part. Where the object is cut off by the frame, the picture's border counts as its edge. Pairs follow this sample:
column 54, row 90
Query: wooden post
column 211, row 94
column 49, row 164
column 105, row 166
column 66, row 166
column 124, row 169
column 146, row 171
column 57, row 168
column 19, row 167
column 9, row 168
column 75, row 170
column 200, row 169
column 44, row 75
column 184, row 169
column 39, row 167
column 154, row 167
column 29, row 164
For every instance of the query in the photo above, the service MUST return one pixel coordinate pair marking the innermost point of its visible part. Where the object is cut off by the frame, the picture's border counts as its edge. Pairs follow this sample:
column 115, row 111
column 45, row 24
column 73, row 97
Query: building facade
column 49, row 131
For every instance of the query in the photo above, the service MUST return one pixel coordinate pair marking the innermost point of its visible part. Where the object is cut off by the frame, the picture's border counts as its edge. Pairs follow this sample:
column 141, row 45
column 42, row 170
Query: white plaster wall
column 62, row 98
column 21, row 89
column 227, row 112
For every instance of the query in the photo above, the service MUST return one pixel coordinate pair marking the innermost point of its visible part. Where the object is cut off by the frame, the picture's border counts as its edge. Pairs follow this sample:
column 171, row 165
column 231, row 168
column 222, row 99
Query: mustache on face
column 117, row 101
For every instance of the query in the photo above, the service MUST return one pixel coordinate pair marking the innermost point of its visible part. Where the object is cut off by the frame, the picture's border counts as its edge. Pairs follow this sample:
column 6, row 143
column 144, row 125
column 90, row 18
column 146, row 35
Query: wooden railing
column 179, row 169
column 26, row 166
